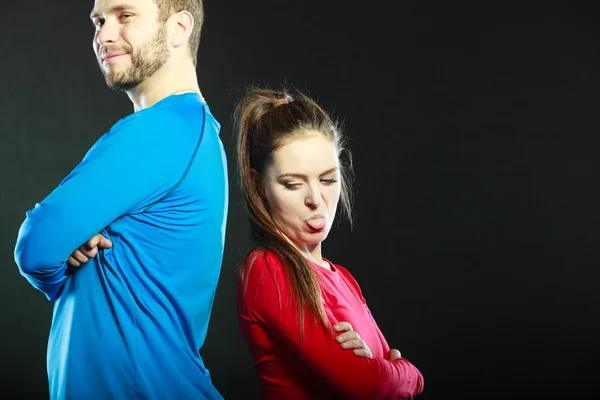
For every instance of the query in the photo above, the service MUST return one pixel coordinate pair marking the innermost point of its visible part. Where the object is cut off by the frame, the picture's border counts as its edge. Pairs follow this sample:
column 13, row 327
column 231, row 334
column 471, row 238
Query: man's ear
column 183, row 24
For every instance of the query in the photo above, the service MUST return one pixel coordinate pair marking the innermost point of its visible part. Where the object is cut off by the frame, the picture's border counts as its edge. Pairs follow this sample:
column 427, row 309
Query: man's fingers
column 73, row 262
column 104, row 243
column 85, row 251
column 93, row 242
column 80, row 257
column 342, row 326
column 91, row 253
column 366, row 353
column 98, row 240
column 88, row 250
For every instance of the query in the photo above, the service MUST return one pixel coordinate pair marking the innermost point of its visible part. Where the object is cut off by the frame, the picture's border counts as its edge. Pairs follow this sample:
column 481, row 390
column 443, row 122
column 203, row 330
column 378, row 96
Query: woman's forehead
column 307, row 155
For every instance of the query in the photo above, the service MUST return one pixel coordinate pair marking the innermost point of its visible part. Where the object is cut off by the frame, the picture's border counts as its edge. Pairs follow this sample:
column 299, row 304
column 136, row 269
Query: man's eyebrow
column 118, row 7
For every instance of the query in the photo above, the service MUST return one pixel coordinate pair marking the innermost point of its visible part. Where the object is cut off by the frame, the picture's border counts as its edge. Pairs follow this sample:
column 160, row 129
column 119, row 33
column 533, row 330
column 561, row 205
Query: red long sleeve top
column 315, row 366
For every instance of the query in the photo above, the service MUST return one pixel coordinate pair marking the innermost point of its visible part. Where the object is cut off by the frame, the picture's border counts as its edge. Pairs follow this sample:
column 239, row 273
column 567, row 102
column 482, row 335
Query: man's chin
column 120, row 83
column 121, row 86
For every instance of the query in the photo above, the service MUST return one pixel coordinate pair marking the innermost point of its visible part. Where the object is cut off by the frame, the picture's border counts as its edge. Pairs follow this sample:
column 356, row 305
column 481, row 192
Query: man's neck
column 164, row 83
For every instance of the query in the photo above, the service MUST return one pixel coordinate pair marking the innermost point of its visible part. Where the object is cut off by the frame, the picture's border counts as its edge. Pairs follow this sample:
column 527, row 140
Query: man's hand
column 88, row 250
column 350, row 339
column 395, row 353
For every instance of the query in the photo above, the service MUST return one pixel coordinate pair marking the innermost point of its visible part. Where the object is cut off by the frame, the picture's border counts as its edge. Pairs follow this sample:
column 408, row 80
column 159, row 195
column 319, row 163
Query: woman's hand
column 395, row 353
column 350, row 339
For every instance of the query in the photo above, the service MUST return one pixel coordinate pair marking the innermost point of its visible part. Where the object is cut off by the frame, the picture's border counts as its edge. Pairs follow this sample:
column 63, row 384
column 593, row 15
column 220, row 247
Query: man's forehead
column 106, row 6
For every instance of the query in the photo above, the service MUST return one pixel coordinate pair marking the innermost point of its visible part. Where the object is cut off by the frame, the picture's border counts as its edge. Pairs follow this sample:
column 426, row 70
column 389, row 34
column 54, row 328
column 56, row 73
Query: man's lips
column 112, row 56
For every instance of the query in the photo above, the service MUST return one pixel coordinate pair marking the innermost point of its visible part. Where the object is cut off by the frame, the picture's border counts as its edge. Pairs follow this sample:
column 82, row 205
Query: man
column 130, row 243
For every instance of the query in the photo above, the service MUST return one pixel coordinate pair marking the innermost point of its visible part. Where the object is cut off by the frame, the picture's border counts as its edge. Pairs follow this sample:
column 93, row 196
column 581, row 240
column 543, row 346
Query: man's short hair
column 166, row 8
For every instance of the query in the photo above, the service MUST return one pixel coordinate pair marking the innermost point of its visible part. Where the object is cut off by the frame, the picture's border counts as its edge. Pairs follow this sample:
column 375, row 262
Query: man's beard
column 145, row 61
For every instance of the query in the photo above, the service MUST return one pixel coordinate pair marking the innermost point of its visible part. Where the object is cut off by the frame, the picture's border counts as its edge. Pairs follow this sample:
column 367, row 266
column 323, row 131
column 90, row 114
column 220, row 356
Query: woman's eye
column 329, row 181
column 292, row 186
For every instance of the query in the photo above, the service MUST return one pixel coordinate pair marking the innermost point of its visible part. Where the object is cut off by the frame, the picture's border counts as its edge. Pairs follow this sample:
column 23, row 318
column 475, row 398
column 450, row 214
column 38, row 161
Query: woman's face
column 302, row 188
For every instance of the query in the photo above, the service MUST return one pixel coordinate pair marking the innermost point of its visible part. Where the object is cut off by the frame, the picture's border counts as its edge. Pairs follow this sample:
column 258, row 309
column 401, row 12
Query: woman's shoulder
column 262, row 274
column 343, row 272
column 262, row 257
column 339, row 269
column 261, row 260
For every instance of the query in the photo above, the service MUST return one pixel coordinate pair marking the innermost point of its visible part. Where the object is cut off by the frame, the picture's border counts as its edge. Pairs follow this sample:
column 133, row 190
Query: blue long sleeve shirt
column 130, row 322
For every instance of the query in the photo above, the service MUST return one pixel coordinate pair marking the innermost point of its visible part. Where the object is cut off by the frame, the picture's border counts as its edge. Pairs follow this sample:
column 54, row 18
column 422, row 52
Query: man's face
column 130, row 42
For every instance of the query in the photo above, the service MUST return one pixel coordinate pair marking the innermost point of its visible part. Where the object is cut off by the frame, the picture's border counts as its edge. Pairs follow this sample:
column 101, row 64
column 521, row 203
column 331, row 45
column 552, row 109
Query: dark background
column 474, row 133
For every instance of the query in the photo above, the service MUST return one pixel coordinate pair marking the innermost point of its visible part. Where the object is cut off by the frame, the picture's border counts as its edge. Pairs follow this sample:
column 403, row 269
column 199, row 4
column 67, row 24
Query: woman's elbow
column 411, row 386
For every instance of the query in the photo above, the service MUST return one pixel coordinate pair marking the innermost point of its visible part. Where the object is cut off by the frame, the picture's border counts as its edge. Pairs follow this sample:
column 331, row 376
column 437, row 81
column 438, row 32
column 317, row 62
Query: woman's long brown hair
column 265, row 120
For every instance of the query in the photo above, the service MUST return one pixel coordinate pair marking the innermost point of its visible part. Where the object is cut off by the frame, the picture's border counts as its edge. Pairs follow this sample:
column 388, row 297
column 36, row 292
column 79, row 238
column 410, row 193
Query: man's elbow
column 38, row 272
column 31, row 254
column 22, row 248
column 25, row 256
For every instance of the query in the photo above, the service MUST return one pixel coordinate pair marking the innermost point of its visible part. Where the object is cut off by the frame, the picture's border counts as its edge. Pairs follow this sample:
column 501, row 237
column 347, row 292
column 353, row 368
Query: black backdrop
column 474, row 133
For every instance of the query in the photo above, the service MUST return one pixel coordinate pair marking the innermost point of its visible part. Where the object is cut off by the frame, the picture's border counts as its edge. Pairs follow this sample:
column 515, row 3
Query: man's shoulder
column 163, row 121
column 156, row 119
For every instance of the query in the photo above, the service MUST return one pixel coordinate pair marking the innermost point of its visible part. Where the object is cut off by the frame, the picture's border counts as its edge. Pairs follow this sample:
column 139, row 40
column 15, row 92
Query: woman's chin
column 313, row 238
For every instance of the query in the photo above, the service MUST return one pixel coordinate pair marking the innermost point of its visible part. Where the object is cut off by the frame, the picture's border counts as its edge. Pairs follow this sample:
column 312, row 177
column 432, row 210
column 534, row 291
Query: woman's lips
column 317, row 223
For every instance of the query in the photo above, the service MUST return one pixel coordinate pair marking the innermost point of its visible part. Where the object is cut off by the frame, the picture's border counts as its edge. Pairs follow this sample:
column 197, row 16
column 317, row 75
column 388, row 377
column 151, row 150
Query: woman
column 291, row 299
